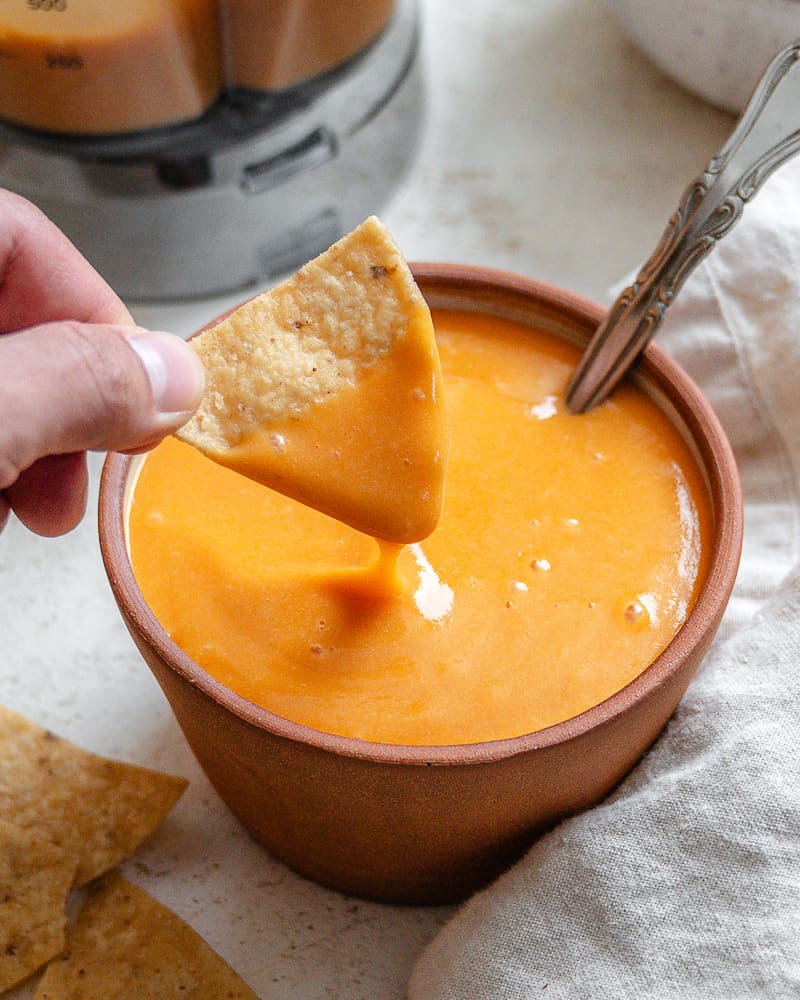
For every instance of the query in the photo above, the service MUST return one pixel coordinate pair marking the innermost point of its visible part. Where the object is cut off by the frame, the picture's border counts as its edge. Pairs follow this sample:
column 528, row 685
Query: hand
column 76, row 373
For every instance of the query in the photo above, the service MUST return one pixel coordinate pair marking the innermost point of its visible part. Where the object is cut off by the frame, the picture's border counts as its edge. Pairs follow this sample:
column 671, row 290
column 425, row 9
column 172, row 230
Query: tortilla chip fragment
column 35, row 879
column 125, row 945
column 95, row 810
column 302, row 341
column 327, row 388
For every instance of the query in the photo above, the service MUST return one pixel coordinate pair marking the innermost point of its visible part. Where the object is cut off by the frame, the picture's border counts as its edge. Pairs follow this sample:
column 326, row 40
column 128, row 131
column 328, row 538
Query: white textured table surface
column 552, row 148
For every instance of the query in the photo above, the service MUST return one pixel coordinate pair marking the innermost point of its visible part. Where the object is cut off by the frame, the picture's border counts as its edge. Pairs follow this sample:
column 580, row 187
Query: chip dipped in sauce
column 568, row 553
column 328, row 388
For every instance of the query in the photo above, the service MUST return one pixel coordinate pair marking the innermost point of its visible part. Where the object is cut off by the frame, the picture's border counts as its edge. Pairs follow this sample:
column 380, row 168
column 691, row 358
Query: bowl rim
column 445, row 285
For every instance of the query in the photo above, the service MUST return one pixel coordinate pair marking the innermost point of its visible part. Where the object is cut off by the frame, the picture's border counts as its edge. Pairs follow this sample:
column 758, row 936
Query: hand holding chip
column 69, row 381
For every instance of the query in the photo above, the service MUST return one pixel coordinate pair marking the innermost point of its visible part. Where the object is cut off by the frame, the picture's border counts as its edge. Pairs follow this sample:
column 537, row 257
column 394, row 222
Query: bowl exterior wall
column 399, row 832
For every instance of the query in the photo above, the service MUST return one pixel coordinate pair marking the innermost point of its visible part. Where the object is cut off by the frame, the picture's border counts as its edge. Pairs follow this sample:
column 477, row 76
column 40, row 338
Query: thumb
column 69, row 387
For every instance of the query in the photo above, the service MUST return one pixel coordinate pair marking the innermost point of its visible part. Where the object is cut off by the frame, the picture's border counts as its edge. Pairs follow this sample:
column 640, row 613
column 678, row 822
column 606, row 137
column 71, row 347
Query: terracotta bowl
column 415, row 824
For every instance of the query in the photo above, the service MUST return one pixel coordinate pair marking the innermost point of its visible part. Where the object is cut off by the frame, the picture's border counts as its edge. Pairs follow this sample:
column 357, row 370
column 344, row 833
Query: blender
column 193, row 147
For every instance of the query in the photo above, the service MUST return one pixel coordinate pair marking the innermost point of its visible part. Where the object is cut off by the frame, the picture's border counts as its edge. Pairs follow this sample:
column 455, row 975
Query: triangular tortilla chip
column 125, row 945
column 35, row 878
column 328, row 389
column 97, row 811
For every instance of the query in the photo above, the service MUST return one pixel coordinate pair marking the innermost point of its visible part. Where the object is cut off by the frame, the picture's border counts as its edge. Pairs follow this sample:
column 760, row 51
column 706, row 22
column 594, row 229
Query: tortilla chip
column 300, row 342
column 125, row 945
column 95, row 810
column 35, row 879
column 279, row 364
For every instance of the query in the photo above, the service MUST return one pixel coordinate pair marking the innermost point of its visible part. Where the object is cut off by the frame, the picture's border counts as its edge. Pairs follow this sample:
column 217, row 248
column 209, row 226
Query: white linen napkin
column 685, row 882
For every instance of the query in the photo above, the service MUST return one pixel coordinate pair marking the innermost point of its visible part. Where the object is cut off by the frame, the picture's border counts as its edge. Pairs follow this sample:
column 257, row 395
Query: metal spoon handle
column 766, row 135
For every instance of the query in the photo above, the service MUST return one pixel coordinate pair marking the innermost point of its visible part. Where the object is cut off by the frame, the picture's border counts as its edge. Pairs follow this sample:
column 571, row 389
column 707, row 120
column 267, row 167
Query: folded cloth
column 685, row 882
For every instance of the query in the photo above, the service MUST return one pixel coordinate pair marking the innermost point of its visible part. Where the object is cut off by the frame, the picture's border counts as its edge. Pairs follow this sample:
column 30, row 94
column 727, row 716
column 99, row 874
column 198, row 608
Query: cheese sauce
column 90, row 67
column 569, row 551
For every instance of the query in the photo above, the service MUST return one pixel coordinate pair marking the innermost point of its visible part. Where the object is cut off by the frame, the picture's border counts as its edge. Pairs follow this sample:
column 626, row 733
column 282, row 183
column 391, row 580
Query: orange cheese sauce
column 270, row 46
column 91, row 67
column 568, row 553
column 372, row 454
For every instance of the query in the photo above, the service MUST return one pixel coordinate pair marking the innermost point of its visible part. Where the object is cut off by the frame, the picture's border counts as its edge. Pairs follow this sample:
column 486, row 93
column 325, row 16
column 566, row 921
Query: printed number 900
column 46, row 5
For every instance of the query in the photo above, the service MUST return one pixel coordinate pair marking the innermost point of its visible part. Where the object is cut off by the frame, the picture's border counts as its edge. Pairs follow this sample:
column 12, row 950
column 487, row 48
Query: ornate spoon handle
column 767, row 134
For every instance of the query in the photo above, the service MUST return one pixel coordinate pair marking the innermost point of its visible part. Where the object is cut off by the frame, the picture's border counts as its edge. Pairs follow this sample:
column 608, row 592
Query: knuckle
column 108, row 367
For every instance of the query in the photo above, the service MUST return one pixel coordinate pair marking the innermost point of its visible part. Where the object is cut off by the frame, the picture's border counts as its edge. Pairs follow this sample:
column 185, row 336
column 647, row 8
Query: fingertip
column 174, row 370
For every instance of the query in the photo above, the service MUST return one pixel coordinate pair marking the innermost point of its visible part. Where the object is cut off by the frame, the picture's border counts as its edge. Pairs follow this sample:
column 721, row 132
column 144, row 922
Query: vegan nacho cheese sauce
column 88, row 67
column 568, row 553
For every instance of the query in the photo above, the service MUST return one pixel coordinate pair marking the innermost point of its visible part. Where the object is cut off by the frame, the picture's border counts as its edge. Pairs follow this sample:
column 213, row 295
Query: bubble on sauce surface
column 635, row 613
column 641, row 611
